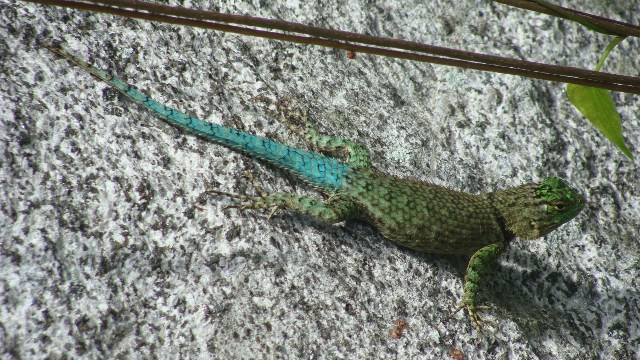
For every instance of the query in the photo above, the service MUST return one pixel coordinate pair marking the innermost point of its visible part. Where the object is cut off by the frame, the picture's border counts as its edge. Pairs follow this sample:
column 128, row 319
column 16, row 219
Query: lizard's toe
column 476, row 320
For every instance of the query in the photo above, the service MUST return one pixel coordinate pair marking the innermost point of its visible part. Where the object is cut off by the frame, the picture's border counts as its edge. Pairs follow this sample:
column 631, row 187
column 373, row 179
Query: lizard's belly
column 462, row 239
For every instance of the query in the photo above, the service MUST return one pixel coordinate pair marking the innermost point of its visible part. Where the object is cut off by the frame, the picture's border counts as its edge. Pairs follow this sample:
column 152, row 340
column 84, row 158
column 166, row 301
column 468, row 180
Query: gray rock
column 110, row 249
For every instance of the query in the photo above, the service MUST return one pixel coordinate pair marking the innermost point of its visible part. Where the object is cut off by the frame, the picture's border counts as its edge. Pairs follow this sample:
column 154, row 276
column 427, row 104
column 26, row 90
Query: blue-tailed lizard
column 411, row 213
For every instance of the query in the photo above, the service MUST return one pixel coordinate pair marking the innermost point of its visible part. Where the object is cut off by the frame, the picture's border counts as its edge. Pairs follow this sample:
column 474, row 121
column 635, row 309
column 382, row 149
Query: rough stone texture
column 109, row 248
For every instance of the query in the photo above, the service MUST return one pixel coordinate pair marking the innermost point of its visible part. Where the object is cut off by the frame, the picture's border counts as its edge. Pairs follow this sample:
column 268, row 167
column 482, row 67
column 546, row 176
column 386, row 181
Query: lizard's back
column 423, row 216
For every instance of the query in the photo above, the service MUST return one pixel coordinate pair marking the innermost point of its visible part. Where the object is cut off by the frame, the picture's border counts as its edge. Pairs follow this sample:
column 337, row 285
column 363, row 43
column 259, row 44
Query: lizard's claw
column 247, row 202
column 477, row 321
column 273, row 211
column 285, row 110
column 255, row 183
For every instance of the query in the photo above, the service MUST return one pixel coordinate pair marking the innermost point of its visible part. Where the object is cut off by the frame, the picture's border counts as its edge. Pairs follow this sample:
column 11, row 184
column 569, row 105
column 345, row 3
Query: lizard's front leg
column 479, row 264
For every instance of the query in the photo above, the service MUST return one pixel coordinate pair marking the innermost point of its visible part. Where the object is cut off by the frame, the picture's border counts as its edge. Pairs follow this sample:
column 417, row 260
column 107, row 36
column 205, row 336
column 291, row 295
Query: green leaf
column 597, row 106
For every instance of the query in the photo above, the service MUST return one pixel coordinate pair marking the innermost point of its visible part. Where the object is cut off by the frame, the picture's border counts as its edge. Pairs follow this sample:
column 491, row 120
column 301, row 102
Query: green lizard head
column 533, row 210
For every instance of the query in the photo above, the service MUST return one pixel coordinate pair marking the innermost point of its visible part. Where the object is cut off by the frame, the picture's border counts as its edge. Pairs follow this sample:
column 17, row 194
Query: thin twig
column 613, row 26
column 349, row 41
column 367, row 39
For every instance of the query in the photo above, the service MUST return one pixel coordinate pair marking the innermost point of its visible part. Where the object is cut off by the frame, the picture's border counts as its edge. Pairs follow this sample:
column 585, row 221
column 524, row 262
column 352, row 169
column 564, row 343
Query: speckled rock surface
column 110, row 249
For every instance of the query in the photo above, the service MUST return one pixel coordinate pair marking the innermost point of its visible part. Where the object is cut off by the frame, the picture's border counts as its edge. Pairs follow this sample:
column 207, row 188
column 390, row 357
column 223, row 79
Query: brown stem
column 445, row 56
column 613, row 26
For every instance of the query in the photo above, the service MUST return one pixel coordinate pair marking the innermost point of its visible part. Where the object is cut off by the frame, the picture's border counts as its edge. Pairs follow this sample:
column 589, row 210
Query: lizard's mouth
column 540, row 230
column 543, row 228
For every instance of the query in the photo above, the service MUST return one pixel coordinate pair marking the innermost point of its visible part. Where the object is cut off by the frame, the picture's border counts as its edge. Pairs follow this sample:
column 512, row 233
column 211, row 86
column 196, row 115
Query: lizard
column 411, row 213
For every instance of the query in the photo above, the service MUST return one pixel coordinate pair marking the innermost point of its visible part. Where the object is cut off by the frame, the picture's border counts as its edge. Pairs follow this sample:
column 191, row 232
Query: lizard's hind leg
column 287, row 112
column 333, row 210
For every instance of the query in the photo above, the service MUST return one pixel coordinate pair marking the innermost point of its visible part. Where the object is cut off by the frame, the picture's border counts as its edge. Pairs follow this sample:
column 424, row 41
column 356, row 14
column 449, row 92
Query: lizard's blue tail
column 322, row 171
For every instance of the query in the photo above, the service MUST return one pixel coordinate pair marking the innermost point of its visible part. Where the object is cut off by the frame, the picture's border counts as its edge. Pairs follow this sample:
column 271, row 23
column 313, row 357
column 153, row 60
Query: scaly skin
column 409, row 212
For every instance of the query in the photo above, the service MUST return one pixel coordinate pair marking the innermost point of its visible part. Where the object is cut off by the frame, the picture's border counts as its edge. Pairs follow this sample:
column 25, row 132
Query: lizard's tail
column 322, row 171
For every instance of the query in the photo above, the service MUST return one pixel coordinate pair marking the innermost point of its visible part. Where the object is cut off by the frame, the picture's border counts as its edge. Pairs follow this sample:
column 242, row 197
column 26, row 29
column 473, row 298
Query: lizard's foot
column 262, row 201
column 477, row 321
column 295, row 117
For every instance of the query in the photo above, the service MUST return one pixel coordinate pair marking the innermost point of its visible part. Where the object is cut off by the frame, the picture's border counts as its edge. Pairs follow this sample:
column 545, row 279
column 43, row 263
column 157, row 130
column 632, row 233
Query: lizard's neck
column 518, row 210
